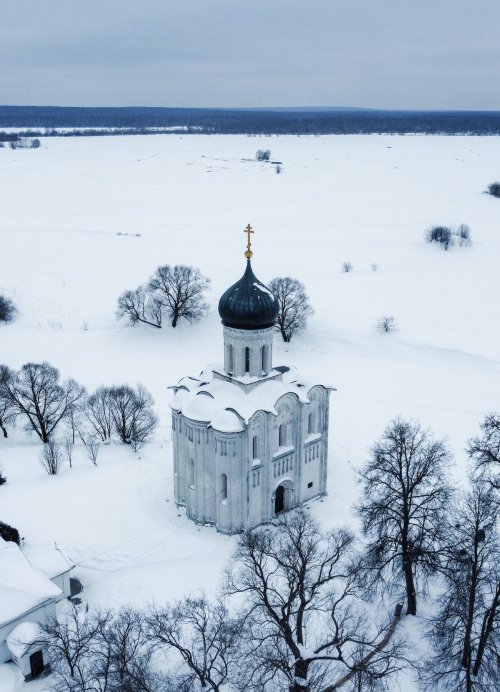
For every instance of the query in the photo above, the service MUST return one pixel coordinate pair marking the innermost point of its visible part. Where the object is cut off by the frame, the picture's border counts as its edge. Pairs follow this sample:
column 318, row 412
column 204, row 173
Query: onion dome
column 248, row 304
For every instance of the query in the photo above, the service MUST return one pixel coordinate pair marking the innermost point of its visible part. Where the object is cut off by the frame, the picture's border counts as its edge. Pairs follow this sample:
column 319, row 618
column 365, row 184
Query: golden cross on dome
column 248, row 253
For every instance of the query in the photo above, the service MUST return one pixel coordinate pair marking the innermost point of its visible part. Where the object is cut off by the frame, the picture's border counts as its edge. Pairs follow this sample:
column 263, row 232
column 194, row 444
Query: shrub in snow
column 441, row 235
column 375, row 267
column 294, row 307
column 494, row 189
column 91, row 444
column 174, row 292
column 3, row 480
column 7, row 309
column 385, row 324
column 9, row 533
column 463, row 235
column 35, row 143
column 263, row 154
column 51, row 457
column 347, row 267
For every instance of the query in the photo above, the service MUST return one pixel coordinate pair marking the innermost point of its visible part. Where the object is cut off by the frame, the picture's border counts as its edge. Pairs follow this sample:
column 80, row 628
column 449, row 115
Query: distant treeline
column 254, row 122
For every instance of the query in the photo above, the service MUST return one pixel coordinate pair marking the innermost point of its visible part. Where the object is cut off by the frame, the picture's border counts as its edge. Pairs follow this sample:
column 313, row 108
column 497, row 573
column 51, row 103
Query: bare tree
column 204, row 636
column 133, row 416
column 385, row 324
column 484, row 451
column 51, row 457
column 294, row 307
column 97, row 410
column 466, row 630
column 347, row 267
column 405, row 493
column 181, row 292
column 140, row 305
column 7, row 410
column 101, row 651
column 68, row 446
column 304, row 621
column 73, row 644
column 92, row 445
column 36, row 394
column 125, row 652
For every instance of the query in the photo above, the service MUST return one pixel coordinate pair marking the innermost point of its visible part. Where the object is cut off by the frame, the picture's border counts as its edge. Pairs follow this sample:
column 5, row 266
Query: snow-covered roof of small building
column 21, row 586
column 22, row 637
column 226, row 406
column 47, row 559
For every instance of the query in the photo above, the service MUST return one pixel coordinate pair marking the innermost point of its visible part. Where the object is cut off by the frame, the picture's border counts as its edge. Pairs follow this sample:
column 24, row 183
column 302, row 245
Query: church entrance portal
column 36, row 664
column 279, row 499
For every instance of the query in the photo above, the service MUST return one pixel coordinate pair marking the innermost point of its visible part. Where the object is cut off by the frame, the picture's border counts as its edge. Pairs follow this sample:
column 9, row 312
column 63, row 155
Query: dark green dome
column 248, row 304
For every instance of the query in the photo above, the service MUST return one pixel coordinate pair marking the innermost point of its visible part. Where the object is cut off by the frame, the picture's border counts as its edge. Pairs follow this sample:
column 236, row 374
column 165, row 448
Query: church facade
column 250, row 440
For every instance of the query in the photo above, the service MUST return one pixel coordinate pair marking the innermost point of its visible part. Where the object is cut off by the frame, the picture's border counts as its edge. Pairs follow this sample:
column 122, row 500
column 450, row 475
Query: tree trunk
column 175, row 318
column 3, row 428
column 411, row 595
column 300, row 682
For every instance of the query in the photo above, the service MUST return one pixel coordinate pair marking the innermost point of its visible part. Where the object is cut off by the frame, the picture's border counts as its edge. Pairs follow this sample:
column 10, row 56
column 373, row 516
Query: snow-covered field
column 82, row 219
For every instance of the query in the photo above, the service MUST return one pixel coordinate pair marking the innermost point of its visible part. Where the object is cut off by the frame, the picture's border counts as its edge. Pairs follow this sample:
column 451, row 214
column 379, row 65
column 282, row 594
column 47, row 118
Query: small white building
column 31, row 584
column 250, row 440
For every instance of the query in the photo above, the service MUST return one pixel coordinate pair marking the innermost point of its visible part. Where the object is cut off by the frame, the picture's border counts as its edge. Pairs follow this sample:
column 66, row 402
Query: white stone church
column 249, row 440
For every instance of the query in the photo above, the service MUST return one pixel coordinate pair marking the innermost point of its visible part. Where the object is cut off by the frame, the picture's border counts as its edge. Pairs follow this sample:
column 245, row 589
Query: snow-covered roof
column 22, row 637
column 47, row 559
column 21, row 586
column 226, row 406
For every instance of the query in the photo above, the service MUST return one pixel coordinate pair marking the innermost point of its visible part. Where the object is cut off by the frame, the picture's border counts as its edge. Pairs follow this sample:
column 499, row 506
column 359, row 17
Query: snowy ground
column 70, row 212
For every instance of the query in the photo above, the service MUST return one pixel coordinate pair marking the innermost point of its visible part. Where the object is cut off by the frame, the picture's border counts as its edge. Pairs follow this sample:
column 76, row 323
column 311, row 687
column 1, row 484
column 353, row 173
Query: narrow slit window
column 263, row 360
column 310, row 423
column 282, row 435
column 255, row 447
column 230, row 359
column 191, row 473
column 223, row 486
column 247, row 359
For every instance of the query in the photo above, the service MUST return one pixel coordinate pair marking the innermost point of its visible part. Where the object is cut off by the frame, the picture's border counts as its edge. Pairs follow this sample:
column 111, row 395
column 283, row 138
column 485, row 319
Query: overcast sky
column 370, row 53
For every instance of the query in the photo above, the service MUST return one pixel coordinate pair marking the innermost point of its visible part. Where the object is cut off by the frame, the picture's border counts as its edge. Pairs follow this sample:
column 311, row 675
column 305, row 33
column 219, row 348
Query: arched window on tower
column 264, row 360
column 247, row 359
column 230, row 359
column 191, row 473
column 255, row 447
column 282, row 435
column 223, row 486
column 310, row 423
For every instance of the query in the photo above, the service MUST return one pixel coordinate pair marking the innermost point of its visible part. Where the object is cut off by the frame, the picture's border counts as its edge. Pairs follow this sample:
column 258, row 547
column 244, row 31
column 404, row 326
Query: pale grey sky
column 237, row 53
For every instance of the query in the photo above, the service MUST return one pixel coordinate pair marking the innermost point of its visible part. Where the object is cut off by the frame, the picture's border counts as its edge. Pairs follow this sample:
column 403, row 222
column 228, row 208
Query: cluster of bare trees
column 179, row 293
column 294, row 610
column 416, row 528
column 36, row 395
column 290, row 616
column 172, row 292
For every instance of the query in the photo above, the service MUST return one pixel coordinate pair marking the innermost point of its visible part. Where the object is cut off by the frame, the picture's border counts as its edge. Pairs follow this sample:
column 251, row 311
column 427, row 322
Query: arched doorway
column 279, row 499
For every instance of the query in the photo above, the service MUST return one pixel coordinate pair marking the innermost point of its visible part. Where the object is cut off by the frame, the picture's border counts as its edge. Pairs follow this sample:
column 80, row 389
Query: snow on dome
column 21, row 586
column 226, row 421
column 22, row 637
column 229, row 404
